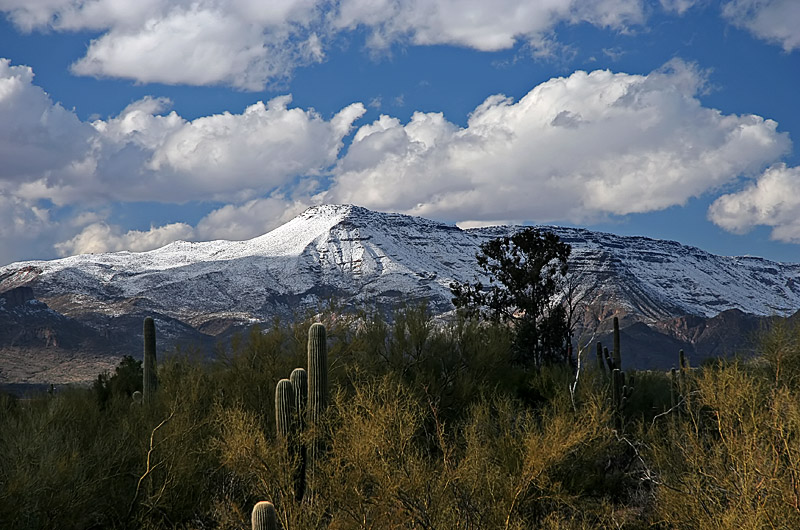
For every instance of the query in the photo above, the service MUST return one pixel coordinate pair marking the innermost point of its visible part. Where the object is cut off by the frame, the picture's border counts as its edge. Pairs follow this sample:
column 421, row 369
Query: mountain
column 199, row 291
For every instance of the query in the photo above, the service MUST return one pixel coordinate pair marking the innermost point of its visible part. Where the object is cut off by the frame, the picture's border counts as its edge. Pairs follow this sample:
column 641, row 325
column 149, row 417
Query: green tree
column 127, row 379
column 526, row 271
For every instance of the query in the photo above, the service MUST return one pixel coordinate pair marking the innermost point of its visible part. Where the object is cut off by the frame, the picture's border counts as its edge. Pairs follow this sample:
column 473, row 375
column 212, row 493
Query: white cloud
column 773, row 200
column 196, row 47
column 679, row 6
column 36, row 136
column 487, row 26
column 101, row 237
column 251, row 43
column 242, row 43
column 231, row 222
column 29, row 230
column 248, row 220
column 148, row 154
column 260, row 149
column 574, row 148
column 776, row 21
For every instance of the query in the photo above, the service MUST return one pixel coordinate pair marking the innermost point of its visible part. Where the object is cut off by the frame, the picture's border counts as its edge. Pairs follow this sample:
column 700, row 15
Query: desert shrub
column 63, row 463
column 174, row 468
column 732, row 462
column 780, row 350
column 652, row 395
column 430, row 425
column 245, row 373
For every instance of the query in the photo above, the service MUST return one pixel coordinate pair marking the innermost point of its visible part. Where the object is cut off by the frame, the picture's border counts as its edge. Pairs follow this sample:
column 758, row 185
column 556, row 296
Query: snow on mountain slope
column 361, row 256
column 683, row 279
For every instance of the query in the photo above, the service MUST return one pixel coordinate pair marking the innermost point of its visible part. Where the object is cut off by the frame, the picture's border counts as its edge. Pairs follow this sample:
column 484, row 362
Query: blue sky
column 125, row 126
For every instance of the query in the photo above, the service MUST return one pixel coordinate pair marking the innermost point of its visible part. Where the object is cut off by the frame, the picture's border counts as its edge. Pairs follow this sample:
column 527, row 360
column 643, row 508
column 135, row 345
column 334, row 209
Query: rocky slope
column 361, row 257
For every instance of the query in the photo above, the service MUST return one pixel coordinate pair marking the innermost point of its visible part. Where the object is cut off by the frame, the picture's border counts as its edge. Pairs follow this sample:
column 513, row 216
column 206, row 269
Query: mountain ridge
column 199, row 290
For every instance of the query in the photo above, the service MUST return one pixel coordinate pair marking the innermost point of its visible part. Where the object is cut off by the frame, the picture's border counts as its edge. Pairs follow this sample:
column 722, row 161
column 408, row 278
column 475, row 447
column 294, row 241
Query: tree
column 526, row 272
column 127, row 379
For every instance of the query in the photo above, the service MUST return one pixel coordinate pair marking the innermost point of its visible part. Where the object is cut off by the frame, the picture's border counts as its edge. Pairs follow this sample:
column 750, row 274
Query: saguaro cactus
column 609, row 360
column 621, row 390
column 150, row 378
column 317, row 394
column 600, row 363
column 285, row 418
column 620, row 394
column 317, row 373
column 299, row 379
column 684, row 373
column 673, row 383
column 264, row 516
column 617, row 352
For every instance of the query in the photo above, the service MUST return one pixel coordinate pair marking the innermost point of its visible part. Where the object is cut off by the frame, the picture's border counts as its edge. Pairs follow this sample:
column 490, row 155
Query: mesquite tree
column 526, row 271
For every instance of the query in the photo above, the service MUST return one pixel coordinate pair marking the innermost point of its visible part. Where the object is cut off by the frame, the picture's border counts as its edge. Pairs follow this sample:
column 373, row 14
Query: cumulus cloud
column 478, row 24
column 149, row 154
column 29, row 230
column 250, row 43
column 37, row 136
column 101, row 237
column 230, row 222
column 248, row 220
column 244, row 43
column 776, row 21
column 196, row 47
column 772, row 200
column 572, row 149
column 260, row 149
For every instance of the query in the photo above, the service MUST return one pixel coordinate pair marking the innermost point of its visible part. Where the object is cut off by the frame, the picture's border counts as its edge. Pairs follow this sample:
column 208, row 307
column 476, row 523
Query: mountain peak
column 382, row 260
column 329, row 210
column 365, row 218
column 364, row 256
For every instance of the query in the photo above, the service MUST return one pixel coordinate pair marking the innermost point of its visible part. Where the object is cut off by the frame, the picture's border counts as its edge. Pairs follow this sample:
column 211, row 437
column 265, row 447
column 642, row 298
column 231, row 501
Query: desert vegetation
column 494, row 419
column 427, row 425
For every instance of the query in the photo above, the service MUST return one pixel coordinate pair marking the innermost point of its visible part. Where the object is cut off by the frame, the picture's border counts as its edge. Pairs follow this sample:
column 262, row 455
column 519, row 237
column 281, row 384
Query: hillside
column 200, row 291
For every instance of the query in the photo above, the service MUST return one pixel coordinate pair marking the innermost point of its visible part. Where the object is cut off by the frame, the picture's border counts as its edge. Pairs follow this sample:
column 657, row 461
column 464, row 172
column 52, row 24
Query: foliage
column 734, row 461
column 126, row 379
column 429, row 425
column 526, row 271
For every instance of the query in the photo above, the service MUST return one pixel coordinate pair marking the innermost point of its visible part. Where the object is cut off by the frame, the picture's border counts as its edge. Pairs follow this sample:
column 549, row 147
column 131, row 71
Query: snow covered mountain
column 362, row 257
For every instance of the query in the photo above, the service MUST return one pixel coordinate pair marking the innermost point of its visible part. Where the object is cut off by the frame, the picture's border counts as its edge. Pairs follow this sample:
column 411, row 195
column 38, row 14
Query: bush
column 733, row 459
column 430, row 425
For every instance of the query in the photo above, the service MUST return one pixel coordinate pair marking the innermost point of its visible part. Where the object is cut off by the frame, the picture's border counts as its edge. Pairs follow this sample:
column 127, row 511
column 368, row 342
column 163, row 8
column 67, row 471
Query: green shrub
column 429, row 425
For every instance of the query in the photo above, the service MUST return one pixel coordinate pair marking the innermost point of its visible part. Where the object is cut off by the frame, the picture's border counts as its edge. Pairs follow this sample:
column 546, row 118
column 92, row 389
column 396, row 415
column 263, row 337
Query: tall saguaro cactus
column 317, row 373
column 684, row 373
column 317, row 393
column 621, row 391
column 264, row 516
column 617, row 353
column 285, row 419
column 299, row 379
column 150, row 378
column 620, row 388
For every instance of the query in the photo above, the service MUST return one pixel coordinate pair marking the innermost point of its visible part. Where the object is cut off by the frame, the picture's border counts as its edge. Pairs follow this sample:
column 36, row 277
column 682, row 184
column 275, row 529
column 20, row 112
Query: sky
column 129, row 125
